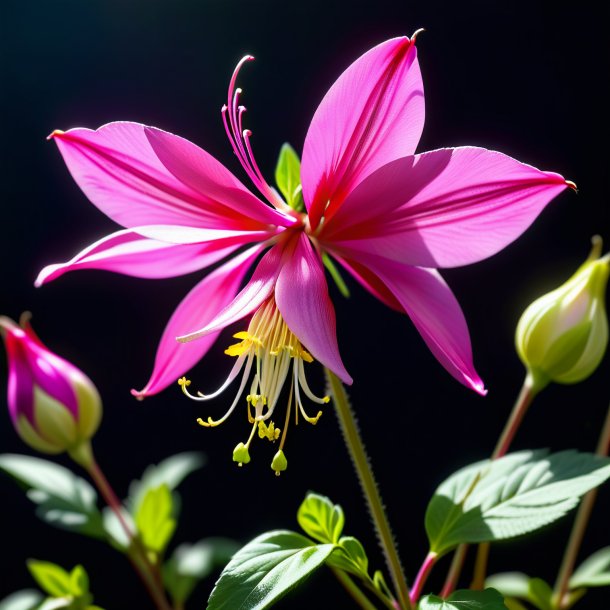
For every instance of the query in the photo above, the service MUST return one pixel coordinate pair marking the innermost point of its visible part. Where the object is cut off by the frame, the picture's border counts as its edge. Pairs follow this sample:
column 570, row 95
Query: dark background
column 526, row 78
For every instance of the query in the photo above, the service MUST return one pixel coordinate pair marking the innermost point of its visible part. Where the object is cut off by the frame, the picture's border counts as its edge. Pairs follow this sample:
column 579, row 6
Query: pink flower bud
column 53, row 405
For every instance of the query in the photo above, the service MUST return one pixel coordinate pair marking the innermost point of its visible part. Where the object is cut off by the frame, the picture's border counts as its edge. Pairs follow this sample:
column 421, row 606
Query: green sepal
column 320, row 518
column 489, row 599
column 63, row 499
column 288, row 177
column 266, row 569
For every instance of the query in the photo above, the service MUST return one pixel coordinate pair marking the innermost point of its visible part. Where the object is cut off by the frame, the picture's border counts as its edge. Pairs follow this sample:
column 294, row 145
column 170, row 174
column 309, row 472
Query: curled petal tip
column 417, row 33
column 55, row 133
column 139, row 395
column 572, row 185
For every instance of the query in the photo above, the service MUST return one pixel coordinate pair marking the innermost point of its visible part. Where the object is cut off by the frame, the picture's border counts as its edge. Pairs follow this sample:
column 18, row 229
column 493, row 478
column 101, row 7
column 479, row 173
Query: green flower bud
column 563, row 335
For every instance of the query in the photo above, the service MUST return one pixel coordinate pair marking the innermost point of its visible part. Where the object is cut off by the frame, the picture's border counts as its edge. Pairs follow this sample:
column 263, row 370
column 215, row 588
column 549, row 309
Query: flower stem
column 422, row 576
column 139, row 560
column 350, row 586
column 361, row 463
column 524, row 400
column 579, row 527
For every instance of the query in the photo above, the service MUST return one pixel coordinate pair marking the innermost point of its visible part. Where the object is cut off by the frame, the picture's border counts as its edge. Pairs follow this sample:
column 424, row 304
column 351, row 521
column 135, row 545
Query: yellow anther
column 325, row 399
column 184, row 383
column 208, row 424
column 269, row 432
column 312, row 420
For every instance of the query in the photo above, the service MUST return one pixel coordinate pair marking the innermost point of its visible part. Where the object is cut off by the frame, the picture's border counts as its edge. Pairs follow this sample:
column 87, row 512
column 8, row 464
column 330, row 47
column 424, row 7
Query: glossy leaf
column 115, row 532
column 28, row 599
column 514, row 495
column 266, row 569
column 288, row 177
column 350, row 556
column 64, row 499
column 489, row 599
column 154, row 520
column 191, row 563
column 510, row 584
column 320, row 518
column 594, row 571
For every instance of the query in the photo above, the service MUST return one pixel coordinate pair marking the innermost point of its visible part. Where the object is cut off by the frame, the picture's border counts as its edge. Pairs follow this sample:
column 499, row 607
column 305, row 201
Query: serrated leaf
column 28, row 599
column 64, row 499
column 191, row 563
column 594, row 571
column 288, row 177
column 53, row 579
column 515, row 495
column 171, row 472
column 320, row 518
column 489, row 599
column 350, row 556
column 265, row 570
column 154, row 521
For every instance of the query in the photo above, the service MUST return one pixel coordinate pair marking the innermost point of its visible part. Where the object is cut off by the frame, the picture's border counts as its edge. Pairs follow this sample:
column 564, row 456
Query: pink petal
column 373, row 114
column 132, row 254
column 444, row 208
column 302, row 297
column 251, row 297
column 119, row 168
column 437, row 315
column 200, row 305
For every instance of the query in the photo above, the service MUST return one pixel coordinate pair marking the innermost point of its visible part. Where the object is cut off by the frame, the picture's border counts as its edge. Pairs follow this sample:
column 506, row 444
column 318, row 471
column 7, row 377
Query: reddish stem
column 422, row 576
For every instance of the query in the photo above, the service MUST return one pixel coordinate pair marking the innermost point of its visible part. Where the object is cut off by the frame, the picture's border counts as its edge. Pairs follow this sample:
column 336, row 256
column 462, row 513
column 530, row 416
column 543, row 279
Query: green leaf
column 53, row 579
column 64, row 499
column 510, row 584
column 265, row 570
column 288, row 177
column 28, row 599
column 540, row 594
column 115, row 532
column 336, row 275
column 191, row 563
column 465, row 600
column 320, row 518
column 594, row 571
column 171, row 472
column 350, row 556
column 513, row 604
column 511, row 496
column 56, row 603
column 80, row 581
column 154, row 520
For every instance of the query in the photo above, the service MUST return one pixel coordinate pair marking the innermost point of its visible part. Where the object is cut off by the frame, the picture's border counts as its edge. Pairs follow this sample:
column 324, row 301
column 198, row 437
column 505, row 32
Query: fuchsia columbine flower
column 390, row 217
column 53, row 405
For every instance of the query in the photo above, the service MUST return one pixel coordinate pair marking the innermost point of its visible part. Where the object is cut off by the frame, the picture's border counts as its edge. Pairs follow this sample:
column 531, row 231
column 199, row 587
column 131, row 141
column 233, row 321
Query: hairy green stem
column 140, row 562
column 361, row 463
column 350, row 586
column 580, row 525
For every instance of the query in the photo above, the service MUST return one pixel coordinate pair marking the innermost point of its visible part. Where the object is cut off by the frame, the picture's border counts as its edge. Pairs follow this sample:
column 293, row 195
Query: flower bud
column 53, row 405
column 563, row 335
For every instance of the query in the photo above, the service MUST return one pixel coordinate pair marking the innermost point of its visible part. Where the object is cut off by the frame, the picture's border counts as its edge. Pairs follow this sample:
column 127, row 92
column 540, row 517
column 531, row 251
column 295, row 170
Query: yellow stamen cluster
column 268, row 348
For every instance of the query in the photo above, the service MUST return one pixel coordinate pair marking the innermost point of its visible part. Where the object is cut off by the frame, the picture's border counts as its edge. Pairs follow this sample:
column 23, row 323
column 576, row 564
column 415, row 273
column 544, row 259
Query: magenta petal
column 437, row 315
column 119, row 169
column 302, row 297
column 132, row 254
column 373, row 114
column 200, row 305
column 444, row 208
column 250, row 298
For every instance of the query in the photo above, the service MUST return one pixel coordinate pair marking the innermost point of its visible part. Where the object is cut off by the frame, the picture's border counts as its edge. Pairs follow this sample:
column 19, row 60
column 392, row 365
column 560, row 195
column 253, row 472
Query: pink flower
column 53, row 405
column 389, row 216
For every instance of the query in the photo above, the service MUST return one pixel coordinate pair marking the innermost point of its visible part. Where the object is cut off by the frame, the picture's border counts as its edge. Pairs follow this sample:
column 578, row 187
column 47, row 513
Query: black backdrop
column 525, row 78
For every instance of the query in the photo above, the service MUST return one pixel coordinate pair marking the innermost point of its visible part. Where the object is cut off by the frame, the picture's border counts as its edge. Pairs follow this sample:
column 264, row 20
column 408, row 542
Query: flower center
column 270, row 350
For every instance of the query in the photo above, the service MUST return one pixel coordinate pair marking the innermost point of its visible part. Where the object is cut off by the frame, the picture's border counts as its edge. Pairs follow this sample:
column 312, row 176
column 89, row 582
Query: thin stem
column 524, row 400
column 350, row 586
column 140, row 562
column 457, row 563
column 422, row 576
column 580, row 525
column 361, row 463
